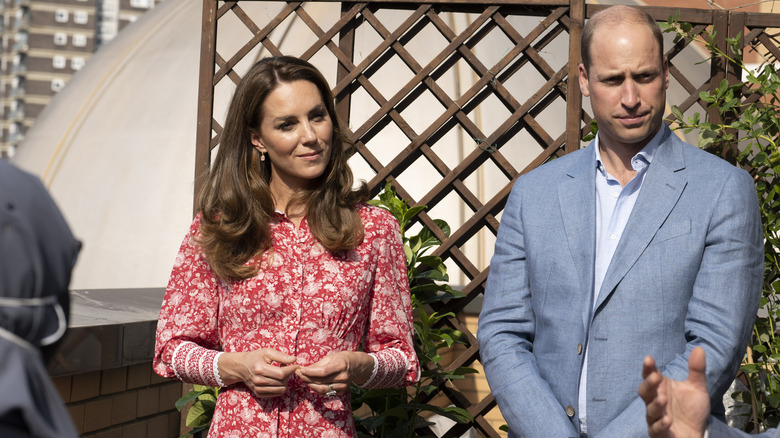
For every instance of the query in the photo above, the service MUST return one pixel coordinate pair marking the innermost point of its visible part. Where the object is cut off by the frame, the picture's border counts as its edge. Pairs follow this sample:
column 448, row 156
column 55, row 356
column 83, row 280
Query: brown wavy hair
column 236, row 202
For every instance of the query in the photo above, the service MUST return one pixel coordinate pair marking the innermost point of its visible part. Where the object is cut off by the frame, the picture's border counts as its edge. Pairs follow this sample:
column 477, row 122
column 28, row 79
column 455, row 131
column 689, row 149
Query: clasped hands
column 266, row 371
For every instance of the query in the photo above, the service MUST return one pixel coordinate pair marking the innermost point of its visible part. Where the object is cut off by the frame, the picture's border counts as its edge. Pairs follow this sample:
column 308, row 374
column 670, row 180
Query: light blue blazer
column 687, row 272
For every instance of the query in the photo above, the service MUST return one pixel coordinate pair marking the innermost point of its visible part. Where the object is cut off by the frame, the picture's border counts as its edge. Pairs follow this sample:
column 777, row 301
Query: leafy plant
column 204, row 400
column 404, row 412
column 395, row 412
column 747, row 130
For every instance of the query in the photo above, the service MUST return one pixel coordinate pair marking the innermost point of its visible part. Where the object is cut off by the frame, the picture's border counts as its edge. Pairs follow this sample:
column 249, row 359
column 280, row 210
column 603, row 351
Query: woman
column 286, row 272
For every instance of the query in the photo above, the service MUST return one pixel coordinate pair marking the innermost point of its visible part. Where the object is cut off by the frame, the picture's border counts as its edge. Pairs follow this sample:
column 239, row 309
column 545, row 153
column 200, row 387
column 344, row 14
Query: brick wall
column 124, row 402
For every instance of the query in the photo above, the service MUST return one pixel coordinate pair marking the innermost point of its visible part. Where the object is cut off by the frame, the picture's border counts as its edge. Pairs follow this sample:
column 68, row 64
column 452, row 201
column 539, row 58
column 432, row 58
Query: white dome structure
column 116, row 148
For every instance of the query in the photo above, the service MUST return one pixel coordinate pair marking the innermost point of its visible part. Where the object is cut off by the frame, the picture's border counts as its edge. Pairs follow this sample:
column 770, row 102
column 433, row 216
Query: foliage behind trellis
column 514, row 105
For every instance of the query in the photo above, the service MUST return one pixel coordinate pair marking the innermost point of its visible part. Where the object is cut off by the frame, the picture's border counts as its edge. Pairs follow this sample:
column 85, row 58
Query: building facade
column 45, row 42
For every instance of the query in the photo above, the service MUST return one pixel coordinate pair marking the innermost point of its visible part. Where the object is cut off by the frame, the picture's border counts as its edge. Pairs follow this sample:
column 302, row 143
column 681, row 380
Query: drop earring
column 262, row 156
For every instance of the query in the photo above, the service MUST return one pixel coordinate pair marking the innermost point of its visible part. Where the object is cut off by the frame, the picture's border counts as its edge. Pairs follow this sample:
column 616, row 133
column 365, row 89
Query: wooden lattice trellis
column 499, row 45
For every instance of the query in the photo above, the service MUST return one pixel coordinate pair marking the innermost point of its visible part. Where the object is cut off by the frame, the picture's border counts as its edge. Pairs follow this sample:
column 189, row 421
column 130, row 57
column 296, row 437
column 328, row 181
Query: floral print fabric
column 305, row 301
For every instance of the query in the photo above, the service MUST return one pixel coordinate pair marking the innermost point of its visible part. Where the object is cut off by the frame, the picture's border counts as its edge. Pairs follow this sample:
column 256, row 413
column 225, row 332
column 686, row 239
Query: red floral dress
column 305, row 301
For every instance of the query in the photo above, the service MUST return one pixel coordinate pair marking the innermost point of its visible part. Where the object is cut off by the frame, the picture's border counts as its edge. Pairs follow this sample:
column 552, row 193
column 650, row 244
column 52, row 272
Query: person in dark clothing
column 37, row 254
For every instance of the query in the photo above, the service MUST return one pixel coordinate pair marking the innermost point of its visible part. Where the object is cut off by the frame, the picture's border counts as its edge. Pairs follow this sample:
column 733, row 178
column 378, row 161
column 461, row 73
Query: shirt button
column 615, row 195
column 612, row 237
column 579, row 349
column 570, row 411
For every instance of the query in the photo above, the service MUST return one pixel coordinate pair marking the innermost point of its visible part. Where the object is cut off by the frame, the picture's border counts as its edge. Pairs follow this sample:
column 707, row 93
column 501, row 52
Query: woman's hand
column 265, row 371
column 336, row 371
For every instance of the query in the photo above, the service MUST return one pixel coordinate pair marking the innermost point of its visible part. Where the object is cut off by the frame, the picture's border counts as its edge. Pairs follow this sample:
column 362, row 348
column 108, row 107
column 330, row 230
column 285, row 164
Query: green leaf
column 677, row 113
column 200, row 414
column 187, row 399
column 749, row 368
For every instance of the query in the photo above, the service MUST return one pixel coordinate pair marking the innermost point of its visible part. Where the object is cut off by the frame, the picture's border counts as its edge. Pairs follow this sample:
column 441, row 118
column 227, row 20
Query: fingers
column 270, row 381
column 280, row 373
column 329, row 375
column 697, row 366
column 659, row 428
column 648, row 366
column 658, row 422
column 648, row 389
column 330, row 368
column 325, row 389
column 272, row 355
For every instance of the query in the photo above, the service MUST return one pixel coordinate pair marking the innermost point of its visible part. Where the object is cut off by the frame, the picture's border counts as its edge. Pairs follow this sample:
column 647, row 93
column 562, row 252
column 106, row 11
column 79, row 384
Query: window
column 146, row 4
column 77, row 62
column 57, row 84
column 20, row 40
column 58, row 61
column 61, row 16
column 130, row 18
column 60, row 39
column 80, row 17
column 79, row 40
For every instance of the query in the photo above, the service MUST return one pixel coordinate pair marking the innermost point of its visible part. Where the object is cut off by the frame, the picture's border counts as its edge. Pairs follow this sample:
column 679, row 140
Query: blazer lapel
column 577, row 198
column 661, row 189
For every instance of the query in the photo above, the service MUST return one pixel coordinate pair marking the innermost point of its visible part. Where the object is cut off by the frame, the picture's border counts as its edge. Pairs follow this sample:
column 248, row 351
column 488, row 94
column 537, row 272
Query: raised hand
column 676, row 409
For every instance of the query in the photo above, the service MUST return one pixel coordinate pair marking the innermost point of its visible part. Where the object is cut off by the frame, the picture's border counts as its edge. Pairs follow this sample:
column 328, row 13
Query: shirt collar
column 642, row 158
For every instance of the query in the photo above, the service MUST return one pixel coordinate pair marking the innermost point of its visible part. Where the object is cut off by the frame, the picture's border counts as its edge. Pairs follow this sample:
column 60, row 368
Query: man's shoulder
column 559, row 166
column 703, row 162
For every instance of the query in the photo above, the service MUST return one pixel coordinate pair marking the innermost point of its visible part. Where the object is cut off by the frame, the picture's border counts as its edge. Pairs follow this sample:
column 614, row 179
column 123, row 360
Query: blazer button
column 579, row 349
column 569, row 411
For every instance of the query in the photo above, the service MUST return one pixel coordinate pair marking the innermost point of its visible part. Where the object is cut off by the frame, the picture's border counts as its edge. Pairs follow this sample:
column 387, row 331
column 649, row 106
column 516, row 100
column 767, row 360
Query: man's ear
column 582, row 74
column 666, row 73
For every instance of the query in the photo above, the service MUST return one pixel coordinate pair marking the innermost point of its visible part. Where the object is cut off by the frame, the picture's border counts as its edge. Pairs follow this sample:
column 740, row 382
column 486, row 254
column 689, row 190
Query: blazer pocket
column 670, row 231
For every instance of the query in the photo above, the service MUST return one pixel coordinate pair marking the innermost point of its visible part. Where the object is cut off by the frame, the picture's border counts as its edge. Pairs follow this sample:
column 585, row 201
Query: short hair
column 615, row 15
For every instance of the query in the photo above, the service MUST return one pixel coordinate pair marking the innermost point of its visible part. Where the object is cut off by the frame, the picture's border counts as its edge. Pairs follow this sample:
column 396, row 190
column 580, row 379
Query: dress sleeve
column 389, row 338
column 187, row 340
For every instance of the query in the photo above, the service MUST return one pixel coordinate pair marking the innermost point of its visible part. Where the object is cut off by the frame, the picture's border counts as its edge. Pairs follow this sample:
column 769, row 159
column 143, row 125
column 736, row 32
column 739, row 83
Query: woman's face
column 295, row 132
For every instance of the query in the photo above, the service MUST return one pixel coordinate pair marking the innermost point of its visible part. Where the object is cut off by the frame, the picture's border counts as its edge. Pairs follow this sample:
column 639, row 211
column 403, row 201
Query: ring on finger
column 331, row 392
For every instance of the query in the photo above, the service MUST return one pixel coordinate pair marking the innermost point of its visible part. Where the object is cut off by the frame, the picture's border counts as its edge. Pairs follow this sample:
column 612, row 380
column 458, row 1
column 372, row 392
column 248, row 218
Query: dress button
column 570, row 411
column 579, row 349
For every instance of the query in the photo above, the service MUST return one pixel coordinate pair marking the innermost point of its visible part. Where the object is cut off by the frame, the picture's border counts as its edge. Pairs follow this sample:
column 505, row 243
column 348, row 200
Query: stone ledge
column 109, row 328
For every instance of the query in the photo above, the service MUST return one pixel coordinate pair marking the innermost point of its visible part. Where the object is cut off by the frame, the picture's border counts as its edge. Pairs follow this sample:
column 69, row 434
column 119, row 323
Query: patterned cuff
column 373, row 372
column 216, row 370
column 195, row 364
column 391, row 368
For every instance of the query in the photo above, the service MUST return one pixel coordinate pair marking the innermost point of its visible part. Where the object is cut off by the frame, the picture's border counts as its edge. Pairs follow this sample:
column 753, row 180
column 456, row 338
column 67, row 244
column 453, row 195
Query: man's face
column 626, row 83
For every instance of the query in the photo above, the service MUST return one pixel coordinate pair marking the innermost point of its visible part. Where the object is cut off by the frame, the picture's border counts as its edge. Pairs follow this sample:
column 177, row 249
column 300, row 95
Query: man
column 37, row 254
column 638, row 243
column 680, row 409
